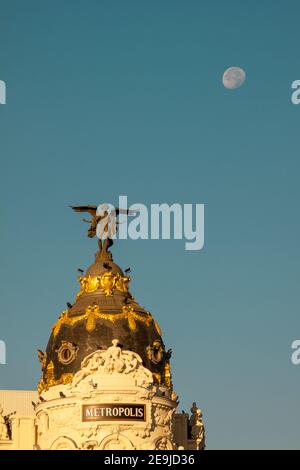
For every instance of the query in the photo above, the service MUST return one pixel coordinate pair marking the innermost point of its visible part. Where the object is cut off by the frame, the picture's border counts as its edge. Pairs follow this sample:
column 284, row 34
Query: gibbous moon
column 234, row 77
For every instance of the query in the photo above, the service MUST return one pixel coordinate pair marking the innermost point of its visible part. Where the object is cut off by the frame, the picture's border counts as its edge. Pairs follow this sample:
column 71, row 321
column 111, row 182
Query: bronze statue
column 107, row 220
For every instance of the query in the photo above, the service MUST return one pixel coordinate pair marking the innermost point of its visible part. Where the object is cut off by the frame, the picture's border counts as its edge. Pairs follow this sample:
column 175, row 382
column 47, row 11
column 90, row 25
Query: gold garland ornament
column 92, row 313
column 106, row 282
column 50, row 380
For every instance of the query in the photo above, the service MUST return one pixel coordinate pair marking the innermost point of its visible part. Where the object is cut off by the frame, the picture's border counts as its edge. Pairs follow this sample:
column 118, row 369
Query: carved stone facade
column 107, row 376
column 52, row 425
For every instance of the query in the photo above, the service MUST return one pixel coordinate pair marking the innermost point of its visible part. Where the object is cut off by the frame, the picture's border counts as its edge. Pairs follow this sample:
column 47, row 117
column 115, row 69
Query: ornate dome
column 104, row 310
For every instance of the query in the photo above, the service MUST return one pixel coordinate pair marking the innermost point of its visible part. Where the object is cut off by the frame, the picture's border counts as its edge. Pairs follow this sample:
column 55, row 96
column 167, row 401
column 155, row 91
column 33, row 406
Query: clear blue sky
column 125, row 97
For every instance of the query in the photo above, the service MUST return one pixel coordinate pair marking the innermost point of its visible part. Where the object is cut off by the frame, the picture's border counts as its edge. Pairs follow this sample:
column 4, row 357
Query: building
column 106, row 377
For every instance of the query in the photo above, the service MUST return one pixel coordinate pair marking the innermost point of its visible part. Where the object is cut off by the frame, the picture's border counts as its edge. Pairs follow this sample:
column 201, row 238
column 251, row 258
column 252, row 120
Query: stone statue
column 3, row 427
column 88, row 367
column 197, row 427
column 105, row 221
column 113, row 360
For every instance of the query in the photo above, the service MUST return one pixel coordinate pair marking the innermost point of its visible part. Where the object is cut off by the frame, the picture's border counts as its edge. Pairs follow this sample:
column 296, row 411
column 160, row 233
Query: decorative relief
column 146, row 394
column 63, row 443
column 157, row 378
column 113, row 361
column 49, row 379
column 63, row 416
column 91, row 431
column 67, row 352
column 163, row 444
column 64, row 319
column 106, row 282
column 164, row 378
column 163, row 415
column 92, row 313
column 62, row 427
column 116, row 442
column 156, row 352
column 90, row 445
column 143, row 432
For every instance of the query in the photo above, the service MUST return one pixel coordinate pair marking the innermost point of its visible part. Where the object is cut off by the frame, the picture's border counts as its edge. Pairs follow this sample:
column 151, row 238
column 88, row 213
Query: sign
column 113, row 412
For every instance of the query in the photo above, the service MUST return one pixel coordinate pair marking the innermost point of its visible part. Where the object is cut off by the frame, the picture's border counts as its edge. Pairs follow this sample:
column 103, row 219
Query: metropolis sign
column 113, row 412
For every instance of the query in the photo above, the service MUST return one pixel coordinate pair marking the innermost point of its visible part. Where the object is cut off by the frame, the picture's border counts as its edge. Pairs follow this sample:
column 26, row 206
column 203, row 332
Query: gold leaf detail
column 131, row 322
column 157, row 378
column 107, row 282
column 49, row 379
column 62, row 319
column 168, row 376
column 91, row 314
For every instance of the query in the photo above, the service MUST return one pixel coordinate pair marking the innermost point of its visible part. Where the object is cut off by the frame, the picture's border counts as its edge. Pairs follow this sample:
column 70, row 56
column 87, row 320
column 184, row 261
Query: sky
column 126, row 98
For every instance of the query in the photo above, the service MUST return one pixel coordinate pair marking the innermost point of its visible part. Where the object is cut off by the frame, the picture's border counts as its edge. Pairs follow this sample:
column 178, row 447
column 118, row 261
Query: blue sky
column 111, row 98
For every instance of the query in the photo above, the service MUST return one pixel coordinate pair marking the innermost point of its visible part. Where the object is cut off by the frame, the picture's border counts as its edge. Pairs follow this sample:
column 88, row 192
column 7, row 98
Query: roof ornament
column 103, row 223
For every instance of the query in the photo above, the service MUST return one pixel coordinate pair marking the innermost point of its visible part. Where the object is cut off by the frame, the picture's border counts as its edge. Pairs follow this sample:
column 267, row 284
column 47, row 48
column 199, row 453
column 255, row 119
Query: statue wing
column 90, row 209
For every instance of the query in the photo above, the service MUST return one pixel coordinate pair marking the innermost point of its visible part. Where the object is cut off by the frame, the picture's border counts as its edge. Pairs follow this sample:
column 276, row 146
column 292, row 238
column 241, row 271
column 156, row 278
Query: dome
column 103, row 262
column 104, row 310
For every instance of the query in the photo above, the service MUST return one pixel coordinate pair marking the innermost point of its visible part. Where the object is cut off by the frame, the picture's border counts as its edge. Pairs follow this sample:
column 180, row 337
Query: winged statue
column 107, row 221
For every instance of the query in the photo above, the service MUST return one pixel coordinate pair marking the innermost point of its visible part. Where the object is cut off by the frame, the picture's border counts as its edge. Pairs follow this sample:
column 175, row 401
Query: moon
column 234, row 77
